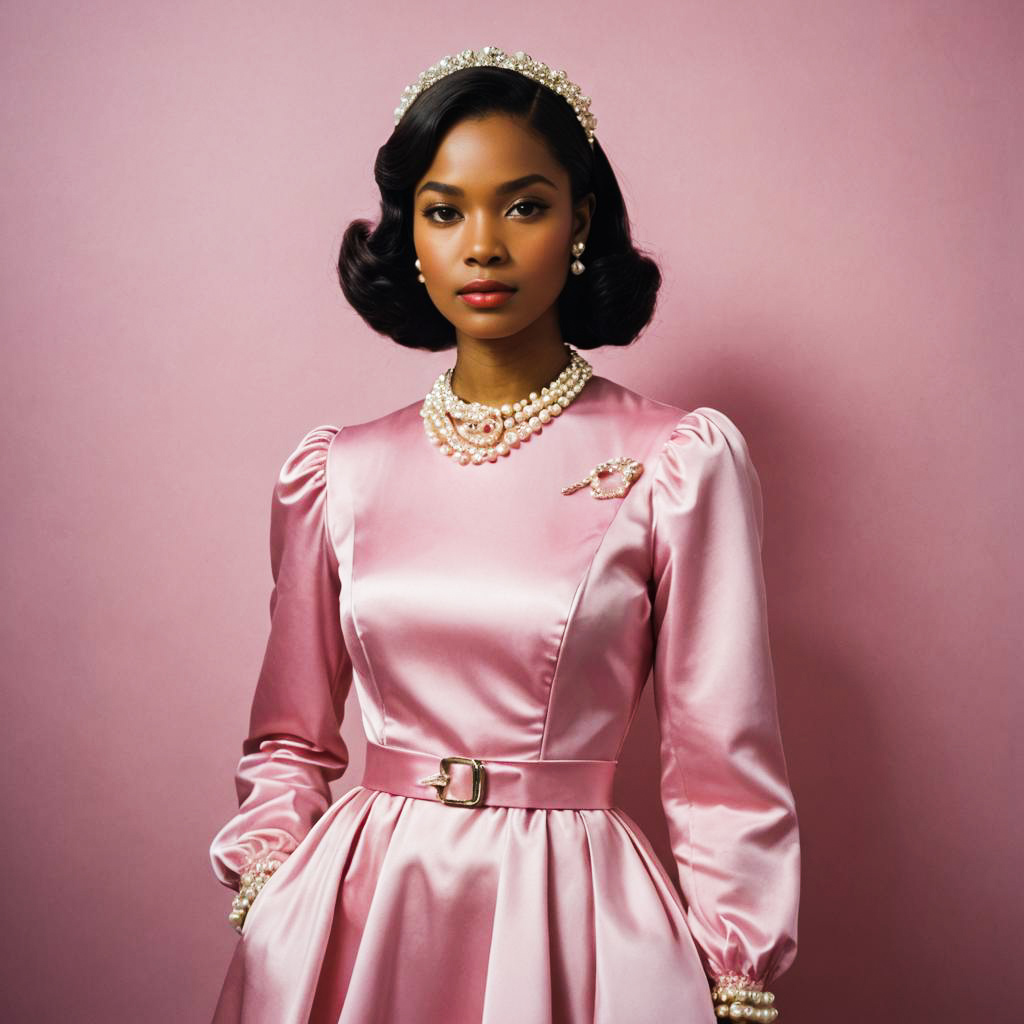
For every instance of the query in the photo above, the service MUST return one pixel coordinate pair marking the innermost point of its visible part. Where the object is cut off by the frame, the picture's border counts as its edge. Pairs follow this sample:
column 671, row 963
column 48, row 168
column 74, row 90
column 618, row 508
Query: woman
column 496, row 569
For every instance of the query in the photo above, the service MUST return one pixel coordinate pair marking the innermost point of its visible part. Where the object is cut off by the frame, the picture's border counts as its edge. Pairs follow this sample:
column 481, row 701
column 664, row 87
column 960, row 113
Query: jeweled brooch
column 630, row 469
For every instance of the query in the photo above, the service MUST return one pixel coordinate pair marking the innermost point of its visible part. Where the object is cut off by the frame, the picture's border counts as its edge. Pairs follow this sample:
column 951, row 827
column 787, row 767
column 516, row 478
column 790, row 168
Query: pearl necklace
column 475, row 433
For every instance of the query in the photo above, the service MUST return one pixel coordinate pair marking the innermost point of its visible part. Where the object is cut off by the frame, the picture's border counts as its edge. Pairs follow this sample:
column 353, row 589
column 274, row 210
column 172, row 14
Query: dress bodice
column 485, row 610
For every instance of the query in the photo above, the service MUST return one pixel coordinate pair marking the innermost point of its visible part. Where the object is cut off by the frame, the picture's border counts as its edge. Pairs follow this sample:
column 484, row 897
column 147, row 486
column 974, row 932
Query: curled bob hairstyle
column 610, row 304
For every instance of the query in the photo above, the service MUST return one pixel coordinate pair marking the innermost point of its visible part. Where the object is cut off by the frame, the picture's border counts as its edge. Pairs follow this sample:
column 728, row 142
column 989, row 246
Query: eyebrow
column 505, row 187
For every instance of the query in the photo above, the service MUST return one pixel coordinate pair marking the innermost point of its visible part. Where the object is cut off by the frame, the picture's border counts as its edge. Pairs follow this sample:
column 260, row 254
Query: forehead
column 479, row 154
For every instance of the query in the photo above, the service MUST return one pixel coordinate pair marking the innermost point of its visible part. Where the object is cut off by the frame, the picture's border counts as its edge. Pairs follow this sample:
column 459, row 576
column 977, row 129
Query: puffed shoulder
column 299, row 508
column 305, row 466
column 707, row 430
column 705, row 462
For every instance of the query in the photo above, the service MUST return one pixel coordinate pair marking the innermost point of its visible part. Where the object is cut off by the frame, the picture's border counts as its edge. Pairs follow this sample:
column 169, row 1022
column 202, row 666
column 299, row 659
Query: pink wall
column 834, row 191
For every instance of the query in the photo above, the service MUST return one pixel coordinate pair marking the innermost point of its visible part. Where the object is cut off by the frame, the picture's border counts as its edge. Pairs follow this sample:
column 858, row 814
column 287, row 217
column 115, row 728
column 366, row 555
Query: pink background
column 834, row 191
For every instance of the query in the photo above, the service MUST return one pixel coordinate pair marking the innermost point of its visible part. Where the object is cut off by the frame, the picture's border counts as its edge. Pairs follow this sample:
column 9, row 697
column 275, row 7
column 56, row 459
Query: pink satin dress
column 479, row 611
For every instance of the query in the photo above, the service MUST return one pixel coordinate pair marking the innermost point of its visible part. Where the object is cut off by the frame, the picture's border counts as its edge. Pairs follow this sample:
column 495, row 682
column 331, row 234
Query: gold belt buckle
column 441, row 780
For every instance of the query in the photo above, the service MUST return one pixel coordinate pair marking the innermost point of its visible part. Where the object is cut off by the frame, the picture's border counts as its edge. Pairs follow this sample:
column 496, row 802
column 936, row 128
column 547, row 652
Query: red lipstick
column 483, row 293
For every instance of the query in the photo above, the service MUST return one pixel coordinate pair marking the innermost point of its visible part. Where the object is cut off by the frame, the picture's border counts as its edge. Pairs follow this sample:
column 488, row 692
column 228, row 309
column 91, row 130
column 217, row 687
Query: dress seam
column 327, row 502
column 574, row 605
column 329, row 534
column 561, row 640
column 372, row 678
column 673, row 728
column 659, row 463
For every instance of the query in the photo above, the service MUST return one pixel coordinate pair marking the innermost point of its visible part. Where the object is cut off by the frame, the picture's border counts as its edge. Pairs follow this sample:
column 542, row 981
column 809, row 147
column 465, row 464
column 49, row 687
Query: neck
column 498, row 373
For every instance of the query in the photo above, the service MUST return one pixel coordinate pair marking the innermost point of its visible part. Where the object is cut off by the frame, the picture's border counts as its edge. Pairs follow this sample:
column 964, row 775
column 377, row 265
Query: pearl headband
column 492, row 56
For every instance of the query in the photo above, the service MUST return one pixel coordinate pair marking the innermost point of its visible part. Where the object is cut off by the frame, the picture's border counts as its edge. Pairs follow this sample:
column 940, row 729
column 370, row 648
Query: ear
column 583, row 211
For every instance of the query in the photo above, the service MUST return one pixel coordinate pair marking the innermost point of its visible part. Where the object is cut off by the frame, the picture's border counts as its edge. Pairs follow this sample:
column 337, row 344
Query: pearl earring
column 421, row 278
column 577, row 251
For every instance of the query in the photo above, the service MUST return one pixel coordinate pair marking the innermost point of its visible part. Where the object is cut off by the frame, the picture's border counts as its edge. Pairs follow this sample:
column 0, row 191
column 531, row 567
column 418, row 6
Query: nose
column 484, row 243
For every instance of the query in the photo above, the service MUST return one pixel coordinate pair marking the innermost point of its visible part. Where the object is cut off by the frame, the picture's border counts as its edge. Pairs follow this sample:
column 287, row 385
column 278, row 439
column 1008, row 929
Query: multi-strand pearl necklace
column 474, row 433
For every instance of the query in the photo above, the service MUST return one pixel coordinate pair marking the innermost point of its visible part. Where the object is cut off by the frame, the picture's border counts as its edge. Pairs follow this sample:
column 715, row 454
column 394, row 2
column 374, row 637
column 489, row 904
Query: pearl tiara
column 493, row 57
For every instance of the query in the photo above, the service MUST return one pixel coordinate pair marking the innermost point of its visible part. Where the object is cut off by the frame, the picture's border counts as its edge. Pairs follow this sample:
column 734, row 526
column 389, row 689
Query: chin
column 489, row 332
column 489, row 323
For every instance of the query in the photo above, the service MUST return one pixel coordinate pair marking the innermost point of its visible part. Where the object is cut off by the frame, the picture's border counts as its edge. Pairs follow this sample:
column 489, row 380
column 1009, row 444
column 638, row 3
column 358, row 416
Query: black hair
column 609, row 304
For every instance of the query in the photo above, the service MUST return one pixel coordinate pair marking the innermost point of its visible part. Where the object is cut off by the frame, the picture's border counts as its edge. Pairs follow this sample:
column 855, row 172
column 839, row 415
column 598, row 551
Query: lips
column 482, row 285
column 488, row 300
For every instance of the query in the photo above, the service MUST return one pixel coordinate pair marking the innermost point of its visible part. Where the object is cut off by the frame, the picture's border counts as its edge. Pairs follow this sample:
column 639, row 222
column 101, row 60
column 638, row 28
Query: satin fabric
column 479, row 611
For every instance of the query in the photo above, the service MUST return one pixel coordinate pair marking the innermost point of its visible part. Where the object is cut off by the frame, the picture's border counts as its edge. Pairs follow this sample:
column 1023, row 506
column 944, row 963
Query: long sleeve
column 293, row 749
column 725, row 789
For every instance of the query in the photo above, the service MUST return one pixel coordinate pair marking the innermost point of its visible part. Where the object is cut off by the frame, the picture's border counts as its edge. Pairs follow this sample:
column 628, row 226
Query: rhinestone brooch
column 630, row 469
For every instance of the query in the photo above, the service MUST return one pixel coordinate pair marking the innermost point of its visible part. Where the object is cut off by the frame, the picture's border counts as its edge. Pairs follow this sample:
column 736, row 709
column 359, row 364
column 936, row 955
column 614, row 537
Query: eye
column 529, row 202
column 431, row 210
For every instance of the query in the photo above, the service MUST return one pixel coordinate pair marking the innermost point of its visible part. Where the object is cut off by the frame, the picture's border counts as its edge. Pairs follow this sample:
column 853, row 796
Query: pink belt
column 488, row 782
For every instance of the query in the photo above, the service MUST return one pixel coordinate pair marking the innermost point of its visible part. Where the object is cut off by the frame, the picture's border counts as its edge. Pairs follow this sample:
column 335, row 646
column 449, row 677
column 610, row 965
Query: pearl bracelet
column 254, row 876
column 737, row 997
